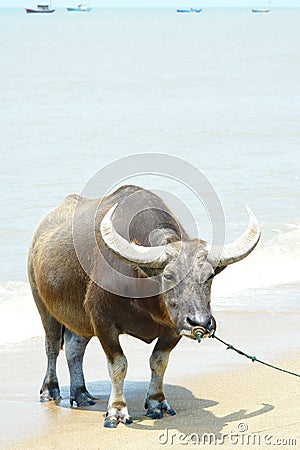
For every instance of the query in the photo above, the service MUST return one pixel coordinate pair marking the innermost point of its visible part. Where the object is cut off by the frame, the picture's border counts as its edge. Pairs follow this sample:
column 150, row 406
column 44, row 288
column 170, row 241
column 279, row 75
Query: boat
column 260, row 10
column 80, row 7
column 41, row 9
column 190, row 10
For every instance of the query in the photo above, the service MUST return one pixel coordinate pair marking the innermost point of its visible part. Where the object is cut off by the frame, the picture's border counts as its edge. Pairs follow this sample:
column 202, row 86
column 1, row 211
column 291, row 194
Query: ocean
column 219, row 89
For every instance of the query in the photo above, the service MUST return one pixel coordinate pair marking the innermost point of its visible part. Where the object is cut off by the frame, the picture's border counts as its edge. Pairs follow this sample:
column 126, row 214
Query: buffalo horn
column 138, row 254
column 242, row 246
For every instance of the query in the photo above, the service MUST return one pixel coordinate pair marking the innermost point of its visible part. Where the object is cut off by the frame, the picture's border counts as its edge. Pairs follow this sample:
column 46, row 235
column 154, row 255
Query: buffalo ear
column 219, row 269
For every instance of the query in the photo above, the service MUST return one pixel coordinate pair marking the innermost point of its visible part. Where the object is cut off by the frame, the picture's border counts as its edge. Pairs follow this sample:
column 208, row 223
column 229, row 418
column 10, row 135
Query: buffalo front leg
column 117, row 367
column 75, row 347
column 117, row 408
column 108, row 335
column 156, row 402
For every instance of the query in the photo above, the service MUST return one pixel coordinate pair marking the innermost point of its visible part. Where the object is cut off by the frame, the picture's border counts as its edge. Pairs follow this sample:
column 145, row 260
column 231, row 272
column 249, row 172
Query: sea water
column 219, row 89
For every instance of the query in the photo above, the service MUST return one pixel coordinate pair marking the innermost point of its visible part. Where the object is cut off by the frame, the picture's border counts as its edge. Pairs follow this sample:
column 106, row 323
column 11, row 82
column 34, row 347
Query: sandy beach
column 221, row 398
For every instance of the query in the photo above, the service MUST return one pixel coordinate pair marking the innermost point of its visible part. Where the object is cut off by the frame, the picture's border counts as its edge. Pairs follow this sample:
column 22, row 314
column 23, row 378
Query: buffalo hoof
column 82, row 398
column 48, row 394
column 113, row 421
column 154, row 413
column 83, row 403
column 127, row 421
column 157, row 411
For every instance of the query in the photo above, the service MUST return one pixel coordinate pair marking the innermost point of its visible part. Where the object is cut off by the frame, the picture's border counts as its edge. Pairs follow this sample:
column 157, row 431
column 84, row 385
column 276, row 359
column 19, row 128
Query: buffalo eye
column 173, row 304
column 168, row 277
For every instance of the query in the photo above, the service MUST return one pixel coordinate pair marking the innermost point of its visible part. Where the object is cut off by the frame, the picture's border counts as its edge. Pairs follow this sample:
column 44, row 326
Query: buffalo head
column 184, row 270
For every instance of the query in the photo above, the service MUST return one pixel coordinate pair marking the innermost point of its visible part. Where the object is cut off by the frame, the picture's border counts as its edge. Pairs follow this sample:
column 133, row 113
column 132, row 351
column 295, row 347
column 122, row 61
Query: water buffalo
column 83, row 258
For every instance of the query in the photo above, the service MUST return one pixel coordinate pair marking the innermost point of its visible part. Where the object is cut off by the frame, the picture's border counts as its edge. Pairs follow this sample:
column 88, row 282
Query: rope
column 253, row 358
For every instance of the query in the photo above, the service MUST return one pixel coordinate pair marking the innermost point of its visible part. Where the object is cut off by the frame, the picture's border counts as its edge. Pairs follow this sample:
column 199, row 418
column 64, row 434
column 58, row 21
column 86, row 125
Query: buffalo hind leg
column 75, row 347
column 156, row 402
column 53, row 341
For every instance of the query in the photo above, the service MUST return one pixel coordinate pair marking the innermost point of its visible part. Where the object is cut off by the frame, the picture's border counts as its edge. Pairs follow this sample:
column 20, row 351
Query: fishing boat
column 41, row 9
column 190, row 10
column 80, row 7
column 260, row 10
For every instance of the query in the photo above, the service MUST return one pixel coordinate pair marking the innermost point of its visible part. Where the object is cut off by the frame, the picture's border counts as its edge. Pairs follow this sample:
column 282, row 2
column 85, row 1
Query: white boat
column 260, row 10
column 80, row 7
column 189, row 10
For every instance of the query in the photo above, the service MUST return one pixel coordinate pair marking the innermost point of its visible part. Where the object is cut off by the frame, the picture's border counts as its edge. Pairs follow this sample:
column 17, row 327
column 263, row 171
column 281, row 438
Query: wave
column 20, row 319
column 275, row 262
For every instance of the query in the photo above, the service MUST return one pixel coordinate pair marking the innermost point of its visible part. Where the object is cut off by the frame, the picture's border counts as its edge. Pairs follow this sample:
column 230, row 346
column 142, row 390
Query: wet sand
column 214, row 390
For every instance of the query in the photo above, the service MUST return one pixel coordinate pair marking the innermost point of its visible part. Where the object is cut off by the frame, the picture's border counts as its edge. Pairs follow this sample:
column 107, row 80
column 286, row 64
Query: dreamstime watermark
column 130, row 205
column 240, row 437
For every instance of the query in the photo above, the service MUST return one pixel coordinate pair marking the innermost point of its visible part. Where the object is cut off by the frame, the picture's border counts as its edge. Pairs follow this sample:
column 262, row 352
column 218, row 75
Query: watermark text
column 236, row 438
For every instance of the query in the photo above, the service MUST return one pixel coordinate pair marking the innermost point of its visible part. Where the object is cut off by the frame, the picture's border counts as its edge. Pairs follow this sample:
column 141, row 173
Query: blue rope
column 253, row 358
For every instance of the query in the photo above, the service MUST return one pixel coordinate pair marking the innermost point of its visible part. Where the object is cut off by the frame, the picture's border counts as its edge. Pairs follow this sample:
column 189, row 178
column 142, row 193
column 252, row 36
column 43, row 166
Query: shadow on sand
column 196, row 410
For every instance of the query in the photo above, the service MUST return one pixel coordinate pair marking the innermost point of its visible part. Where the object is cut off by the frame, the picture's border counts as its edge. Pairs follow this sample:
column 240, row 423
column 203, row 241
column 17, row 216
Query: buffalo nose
column 206, row 321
